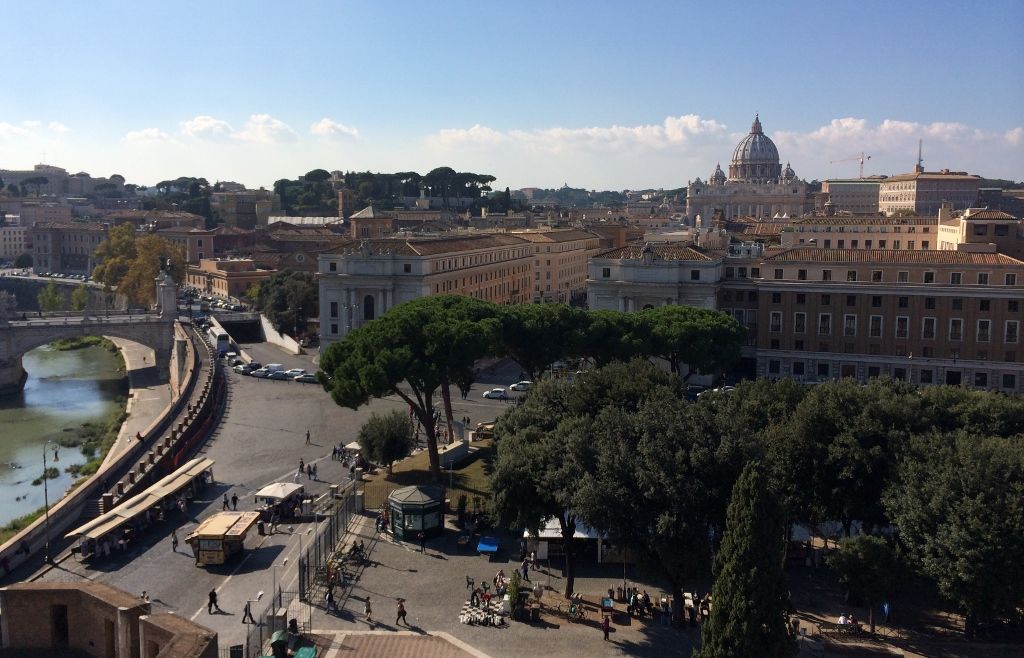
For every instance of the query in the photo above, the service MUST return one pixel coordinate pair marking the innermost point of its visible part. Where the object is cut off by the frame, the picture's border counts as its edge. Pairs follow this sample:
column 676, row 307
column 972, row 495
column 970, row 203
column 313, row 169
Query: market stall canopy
column 279, row 490
column 552, row 530
column 225, row 525
column 354, row 446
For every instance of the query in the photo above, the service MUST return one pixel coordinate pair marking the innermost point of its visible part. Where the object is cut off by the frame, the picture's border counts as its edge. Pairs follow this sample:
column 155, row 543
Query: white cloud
column 147, row 136
column 327, row 128
column 672, row 132
column 32, row 124
column 265, row 129
column 1015, row 136
column 206, row 127
column 8, row 130
column 58, row 127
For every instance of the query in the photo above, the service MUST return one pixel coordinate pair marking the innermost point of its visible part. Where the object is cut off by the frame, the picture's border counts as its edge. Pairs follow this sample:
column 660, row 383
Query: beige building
column 66, row 247
column 981, row 229
column 856, row 195
column 757, row 185
column 640, row 276
column 361, row 280
column 862, row 232
column 246, row 209
column 225, row 277
column 560, row 260
column 923, row 192
column 197, row 242
column 14, row 241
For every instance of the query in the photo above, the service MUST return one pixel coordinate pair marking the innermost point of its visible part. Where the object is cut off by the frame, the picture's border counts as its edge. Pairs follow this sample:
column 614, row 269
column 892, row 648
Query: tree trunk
column 871, row 618
column 446, row 395
column 426, row 417
column 677, row 595
column 970, row 625
column 568, row 530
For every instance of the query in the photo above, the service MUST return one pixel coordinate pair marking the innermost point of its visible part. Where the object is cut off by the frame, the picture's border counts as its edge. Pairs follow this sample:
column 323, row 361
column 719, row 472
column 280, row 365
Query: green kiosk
column 415, row 509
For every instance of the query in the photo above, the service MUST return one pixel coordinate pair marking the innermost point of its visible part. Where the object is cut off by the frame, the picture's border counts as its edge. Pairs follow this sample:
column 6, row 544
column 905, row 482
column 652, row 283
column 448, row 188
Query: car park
column 496, row 394
column 306, row 378
column 524, row 385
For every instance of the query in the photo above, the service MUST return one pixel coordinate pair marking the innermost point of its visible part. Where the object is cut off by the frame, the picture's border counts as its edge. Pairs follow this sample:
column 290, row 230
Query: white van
column 273, row 367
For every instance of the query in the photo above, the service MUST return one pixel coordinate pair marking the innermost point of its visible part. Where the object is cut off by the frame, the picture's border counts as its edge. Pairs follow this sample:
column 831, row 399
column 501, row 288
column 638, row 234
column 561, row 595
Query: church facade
column 757, row 186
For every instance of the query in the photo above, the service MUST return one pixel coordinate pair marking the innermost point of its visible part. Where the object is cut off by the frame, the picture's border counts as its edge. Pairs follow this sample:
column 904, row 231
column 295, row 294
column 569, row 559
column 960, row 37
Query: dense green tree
column 35, row 181
column 867, row 566
column 615, row 336
column 707, row 341
column 386, row 438
column 750, row 596
column 288, row 298
column 23, row 260
column 51, row 298
column 317, row 175
column 538, row 335
column 79, row 297
column 958, row 506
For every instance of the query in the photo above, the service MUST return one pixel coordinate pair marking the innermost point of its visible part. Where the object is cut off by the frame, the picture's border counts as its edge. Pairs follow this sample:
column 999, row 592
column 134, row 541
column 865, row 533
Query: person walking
column 368, row 611
column 329, row 599
column 423, row 541
column 307, row 437
column 174, row 541
column 606, row 627
column 225, row 502
column 524, row 569
column 302, row 465
column 315, row 476
column 401, row 612
column 309, row 471
column 212, row 603
column 234, row 502
column 297, row 476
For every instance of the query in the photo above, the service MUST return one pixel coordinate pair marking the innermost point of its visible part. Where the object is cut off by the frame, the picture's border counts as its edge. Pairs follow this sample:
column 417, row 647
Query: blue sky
column 600, row 95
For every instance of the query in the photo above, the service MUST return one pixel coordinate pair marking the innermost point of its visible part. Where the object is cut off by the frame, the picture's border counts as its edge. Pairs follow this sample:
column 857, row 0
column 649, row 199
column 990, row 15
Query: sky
column 595, row 94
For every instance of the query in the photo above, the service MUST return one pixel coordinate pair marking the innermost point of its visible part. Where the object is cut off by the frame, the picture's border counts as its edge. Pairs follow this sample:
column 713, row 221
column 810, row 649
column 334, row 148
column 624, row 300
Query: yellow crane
column 861, row 158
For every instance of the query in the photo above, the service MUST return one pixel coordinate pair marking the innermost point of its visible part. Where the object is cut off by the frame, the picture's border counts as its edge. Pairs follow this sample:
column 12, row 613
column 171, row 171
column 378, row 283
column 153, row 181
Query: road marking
column 221, row 586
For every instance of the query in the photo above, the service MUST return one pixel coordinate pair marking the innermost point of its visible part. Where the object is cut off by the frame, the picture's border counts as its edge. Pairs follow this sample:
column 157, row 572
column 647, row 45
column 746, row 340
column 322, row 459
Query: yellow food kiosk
column 220, row 536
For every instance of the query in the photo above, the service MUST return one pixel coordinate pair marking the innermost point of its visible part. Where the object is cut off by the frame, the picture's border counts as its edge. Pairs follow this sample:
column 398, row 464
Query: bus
column 220, row 340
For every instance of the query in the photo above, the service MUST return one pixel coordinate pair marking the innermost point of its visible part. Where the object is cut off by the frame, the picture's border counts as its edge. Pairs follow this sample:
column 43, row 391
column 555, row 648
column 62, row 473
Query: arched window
column 368, row 303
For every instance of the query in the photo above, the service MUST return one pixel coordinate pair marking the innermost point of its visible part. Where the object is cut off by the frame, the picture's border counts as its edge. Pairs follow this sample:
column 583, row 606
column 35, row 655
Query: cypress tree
column 750, row 598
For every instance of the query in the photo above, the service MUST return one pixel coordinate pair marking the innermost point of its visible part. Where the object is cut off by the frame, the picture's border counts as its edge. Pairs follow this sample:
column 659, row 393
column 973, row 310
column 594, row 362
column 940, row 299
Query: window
column 929, row 303
column 981, row 379
column 798, row 368
column 755, row 272
column 841, row 244
column 903, row 277
column 606, row 272
column 694, row 275
column 826, row 300
column 726, row 295
column 929, row 277
column 826, row 275
column 875, row 326
column 1011, row 332
column 801, row 275
column 928, row 328
column 876, row 301
column 957, row 304
column 924, row 243
column 956, row 329
column 982, row 278
column 741, row 272
column 828, row 244
column 773, row 367
column 851, row 275
column 775, row 343
column 333, row 267
column 849, row 325
column 334, row 328
column 778, row 273
column 776, row 298
column 851, row 300
column 823, row 370
column 874, row 372
column 1010, row 280
column 867, row 244
column 927, row 352
column 876, row 275
column 881, row 244
column 775, row 322
column 1013, row 305
column 1000, row 229
column 902, row 326
column 1010, row 381
column 824, row 324
column 800, row 323
column 910, row 244
column 926, row 376
column 854, row 244
column 955, row 278
column 751, row 296
column 798, row 345
column 801, row 298
column 904, row 302
column 899, row 373
column 980, row 229
column 984, row 304
column 895, row 244
column 334, row 309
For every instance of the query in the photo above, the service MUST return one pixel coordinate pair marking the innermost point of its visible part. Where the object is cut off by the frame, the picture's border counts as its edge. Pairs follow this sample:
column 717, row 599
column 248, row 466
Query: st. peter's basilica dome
column 755, row 158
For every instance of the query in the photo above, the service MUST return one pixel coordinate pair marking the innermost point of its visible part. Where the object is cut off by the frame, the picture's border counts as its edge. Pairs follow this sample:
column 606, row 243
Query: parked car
column 237, row 361
column 261, row 373
column 279, row 375
column 294, row 372
column 255, row 365
column 496, row 394
column 243, row 369
column 524, row 385
column 306, row 378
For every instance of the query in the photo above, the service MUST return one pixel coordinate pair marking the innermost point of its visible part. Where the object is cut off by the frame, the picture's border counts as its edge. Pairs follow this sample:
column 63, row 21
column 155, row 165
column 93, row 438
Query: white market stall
column 552, row 533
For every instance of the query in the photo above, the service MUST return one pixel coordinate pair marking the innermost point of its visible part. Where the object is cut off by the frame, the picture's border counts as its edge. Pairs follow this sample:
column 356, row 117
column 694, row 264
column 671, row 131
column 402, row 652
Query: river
column 64, row 389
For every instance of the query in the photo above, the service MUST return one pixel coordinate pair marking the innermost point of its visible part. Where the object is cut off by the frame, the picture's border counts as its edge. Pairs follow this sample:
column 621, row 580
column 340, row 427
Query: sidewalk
column 149, row 396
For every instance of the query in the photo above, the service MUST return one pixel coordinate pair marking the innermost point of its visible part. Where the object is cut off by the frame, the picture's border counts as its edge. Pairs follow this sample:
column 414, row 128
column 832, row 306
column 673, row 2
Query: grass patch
column 81, row 342
column 12, row 528
column 51, row 473
column 470, row 477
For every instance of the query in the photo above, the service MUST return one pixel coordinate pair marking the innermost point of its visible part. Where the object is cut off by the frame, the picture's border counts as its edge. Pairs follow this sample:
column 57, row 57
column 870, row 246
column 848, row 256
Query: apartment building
column 560, row 260
column 929, row 317
column 923, row 192
column 197, row 242
column 66, row 247
column 225, row 277
column 14, row 241
column 639, row 276
column 361, row 280
column 853, row 232
column 246, row 209
column 855, row 195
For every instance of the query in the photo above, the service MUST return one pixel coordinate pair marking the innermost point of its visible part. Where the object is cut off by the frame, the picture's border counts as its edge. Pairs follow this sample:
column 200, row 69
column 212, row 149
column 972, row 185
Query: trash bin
column 259, row 528
column 235, row 651
column 359, row 475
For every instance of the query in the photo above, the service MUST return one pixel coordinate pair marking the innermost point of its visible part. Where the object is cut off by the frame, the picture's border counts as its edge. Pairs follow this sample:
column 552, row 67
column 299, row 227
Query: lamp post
column 46, row 501
column 273, row 593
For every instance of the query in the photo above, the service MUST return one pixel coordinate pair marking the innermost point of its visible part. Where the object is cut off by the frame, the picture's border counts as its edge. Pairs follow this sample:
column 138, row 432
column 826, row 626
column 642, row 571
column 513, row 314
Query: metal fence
column 328, row 535
column 262, row 622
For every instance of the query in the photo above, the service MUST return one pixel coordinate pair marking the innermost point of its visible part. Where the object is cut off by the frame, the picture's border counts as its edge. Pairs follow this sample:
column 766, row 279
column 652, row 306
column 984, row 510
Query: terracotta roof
column 661, row 251
column 988, row 214
column 426, row 246
column 369, row 212
column 867, row 220
column 76, row 226
column 932, row 175
column 554, row 236
column 765, row 228
column 883, row 256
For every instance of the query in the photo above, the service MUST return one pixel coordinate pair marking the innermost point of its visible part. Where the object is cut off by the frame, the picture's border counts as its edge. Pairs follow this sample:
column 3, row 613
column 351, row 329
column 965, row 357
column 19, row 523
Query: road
column 259, row 441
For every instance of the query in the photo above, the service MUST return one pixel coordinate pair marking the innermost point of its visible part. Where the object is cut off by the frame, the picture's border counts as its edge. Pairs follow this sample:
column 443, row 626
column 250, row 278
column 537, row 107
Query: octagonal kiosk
column 414, row 509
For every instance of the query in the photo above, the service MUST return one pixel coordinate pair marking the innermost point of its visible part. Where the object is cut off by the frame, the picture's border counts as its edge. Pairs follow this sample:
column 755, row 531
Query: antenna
column 919, row 160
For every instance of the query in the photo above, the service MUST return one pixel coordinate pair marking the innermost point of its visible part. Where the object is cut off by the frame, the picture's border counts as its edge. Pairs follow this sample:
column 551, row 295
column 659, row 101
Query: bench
column 828, row 628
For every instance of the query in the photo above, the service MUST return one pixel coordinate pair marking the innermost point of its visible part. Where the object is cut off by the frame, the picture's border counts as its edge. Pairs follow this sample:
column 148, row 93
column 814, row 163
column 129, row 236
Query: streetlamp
column 46, row 499
column 273, row 593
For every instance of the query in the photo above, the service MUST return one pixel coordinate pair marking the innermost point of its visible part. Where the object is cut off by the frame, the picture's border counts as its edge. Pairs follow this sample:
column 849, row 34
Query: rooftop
column 432, row 246
column 894, row 256
column 566, row 235
column 866, row 220
column 661, row 251
column 945, row 174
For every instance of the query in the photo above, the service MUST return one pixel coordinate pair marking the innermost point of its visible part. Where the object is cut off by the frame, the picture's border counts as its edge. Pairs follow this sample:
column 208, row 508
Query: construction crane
column 861, row 158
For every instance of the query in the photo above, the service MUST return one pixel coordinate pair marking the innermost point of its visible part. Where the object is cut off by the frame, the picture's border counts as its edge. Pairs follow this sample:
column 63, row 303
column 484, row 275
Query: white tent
column 278, row 491
column 354, row 446
column 552, row 531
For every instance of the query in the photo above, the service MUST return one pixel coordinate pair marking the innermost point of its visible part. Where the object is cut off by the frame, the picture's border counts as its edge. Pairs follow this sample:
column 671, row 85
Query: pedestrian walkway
column 150, row 394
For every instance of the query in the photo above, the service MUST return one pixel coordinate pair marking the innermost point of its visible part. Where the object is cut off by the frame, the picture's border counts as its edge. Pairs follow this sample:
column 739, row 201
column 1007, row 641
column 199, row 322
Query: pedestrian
column 524, row 569
column 297, row 477
column 226, row 503
column 329, row 598
column 212, row 603
column 309, row 471
column 315, row 476
column 423, row 541
column 368, row 611
column 307, row 437
column 234, row 502
column 377, row 522
column 606, row 627
column 174, row 541
column 401, row 612
column 302, row 465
